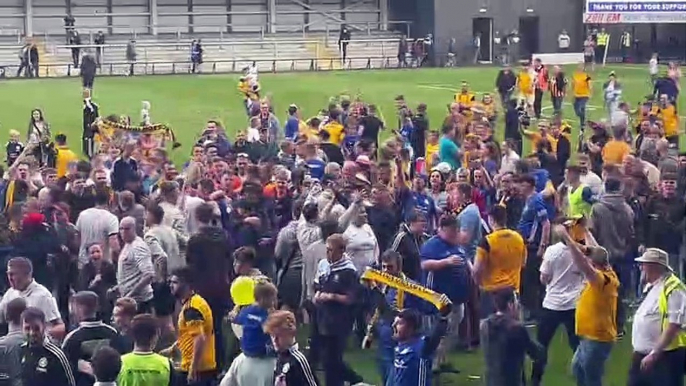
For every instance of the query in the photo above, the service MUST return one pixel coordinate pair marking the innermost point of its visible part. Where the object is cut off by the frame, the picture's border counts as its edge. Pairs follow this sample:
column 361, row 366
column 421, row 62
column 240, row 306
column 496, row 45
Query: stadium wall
column 454, row 18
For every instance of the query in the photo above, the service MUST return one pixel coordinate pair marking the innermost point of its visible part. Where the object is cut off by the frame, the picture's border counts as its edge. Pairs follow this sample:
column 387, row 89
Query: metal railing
column 327, row 20
column 273, row 65
column 273, row 48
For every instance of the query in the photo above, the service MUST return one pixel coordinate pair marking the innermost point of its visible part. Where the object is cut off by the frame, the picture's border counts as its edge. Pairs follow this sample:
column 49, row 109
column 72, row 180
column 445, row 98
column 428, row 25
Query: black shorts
column 87, row 81
column 290, row 289
column 588, row 59
column 163, row 301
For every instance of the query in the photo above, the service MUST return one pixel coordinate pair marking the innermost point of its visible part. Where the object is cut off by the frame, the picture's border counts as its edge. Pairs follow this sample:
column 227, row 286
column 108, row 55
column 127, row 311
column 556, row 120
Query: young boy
column 255, row 343
column 432, row 148
column 14, row 148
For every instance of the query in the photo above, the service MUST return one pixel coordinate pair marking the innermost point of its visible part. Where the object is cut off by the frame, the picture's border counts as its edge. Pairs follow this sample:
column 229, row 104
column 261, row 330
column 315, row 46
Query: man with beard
column 42, row 363
column 390, row 302
column 196, row 333
column 383, row 216
column 209, row 258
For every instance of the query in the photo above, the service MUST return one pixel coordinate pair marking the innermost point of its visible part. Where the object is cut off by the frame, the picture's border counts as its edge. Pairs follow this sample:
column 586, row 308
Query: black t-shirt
column 371, row 125
column 334, row 318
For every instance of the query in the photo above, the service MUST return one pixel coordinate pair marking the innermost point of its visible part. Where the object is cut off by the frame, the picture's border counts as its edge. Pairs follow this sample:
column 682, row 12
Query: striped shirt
column 135, row 260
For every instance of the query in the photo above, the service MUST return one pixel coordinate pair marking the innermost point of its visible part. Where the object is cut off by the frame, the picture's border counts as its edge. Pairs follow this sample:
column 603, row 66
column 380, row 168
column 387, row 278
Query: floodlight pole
column 28, row 17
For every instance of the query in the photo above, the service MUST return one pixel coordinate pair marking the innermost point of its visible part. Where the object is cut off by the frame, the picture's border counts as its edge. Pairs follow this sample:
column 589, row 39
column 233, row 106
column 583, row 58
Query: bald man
column 135, row 271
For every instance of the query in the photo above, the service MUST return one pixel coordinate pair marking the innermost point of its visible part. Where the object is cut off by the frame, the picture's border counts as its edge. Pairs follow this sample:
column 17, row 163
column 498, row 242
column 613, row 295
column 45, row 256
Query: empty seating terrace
column 278, row 35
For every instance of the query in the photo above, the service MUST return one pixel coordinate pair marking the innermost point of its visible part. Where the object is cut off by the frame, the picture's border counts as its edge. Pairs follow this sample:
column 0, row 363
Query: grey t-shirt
column 135, row 260
column 95, row 225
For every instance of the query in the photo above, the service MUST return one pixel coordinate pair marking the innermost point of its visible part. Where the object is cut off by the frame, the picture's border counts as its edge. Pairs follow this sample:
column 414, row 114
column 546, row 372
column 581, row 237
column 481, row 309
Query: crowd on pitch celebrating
column 410, row 238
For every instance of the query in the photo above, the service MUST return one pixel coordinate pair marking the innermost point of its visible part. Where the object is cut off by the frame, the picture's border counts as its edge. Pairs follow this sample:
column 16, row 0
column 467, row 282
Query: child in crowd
column 432, row 149
column 14, row 147
column 145, row 114
column 255, row 343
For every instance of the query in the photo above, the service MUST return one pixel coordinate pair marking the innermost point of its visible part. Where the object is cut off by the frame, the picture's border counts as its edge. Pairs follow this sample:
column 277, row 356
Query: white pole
column 607, row 47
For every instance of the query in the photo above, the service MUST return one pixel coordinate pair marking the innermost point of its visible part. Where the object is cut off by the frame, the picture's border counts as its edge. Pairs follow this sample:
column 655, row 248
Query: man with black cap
column 596, row 309
column 658, row 337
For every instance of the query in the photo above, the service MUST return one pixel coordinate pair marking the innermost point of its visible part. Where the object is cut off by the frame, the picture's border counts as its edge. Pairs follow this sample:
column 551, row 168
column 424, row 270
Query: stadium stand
column 278, row 35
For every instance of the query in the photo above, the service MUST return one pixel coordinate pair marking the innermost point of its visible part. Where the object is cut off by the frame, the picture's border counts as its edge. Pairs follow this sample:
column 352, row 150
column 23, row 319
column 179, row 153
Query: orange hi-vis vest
column 542, row 79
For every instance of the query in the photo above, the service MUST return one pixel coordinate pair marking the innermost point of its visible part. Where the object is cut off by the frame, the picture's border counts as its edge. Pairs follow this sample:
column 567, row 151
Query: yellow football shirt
column 503, row 253
column 195, row 318
column 596, row 310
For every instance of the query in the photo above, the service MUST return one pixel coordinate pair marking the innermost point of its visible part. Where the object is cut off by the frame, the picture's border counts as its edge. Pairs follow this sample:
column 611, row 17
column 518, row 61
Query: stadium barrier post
column 607, row 47
column 369, row 63
column 153, row 68
column 68, row 69
column 293, row 65
column 233, row 66
column 111, row 68
column 214, row 67
column 274, row 66
column 331, row 64
column 221, row 40
column 350, row 63
column 173, row 68
column 312, row 65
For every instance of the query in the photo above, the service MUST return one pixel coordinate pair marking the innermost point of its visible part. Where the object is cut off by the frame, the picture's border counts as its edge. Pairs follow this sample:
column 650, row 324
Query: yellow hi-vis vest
column 577, row 206
column 603, row 38
column 671, row 284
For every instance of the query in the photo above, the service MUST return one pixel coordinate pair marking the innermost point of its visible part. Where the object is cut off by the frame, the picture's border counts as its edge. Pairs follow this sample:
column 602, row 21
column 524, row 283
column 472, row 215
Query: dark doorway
column 529, row 35
column 483, row 27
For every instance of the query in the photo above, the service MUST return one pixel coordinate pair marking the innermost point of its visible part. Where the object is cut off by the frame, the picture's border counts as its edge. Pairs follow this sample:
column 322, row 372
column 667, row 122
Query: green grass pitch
column 186, row 102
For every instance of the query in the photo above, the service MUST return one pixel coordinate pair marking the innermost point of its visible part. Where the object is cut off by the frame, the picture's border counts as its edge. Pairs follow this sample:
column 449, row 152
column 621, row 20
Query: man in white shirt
column 164, row 249
column 173, row 216
column 658, row 337
column 563, row 41
column 20, row 275
column 564, row 283
column 588, row 177
column 98, row 225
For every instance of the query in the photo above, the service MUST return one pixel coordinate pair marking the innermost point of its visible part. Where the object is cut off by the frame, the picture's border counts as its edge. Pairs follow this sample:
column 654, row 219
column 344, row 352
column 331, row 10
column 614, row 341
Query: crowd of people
column 124, row 267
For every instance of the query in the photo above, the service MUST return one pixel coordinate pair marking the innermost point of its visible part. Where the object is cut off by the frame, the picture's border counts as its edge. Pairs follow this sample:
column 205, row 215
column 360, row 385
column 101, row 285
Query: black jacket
column 505, row 82
column 293, row 368
column 45, row 365
column 91, row 112
column 209, row 257
column 418, row 134
column 84, row 341
column 88, row 66
column 409, row 246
